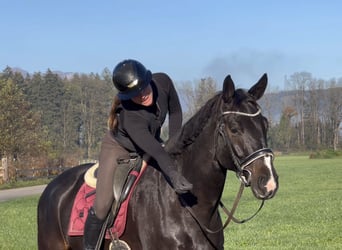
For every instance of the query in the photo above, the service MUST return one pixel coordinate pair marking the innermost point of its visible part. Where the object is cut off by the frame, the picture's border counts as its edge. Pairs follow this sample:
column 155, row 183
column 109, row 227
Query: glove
column 179, row 183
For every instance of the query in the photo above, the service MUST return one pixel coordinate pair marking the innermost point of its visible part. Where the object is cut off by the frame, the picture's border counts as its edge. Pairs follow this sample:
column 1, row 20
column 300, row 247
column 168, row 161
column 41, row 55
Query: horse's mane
column 193, row 127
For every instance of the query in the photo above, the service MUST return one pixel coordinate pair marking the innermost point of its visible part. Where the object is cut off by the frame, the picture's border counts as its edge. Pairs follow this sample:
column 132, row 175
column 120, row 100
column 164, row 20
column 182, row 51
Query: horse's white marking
column 271, row 185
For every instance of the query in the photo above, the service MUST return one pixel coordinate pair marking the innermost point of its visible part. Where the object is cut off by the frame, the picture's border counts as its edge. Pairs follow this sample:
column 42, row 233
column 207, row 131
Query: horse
column 227, row 134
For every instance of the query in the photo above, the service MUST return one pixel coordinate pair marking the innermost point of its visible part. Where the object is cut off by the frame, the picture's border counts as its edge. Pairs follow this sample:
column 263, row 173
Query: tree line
column 50, row 120
column 46, row 120
column 311, row 114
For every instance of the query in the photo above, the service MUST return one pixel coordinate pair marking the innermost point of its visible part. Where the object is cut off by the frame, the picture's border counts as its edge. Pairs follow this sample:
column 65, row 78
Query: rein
column 240, row 165
column 230, row 214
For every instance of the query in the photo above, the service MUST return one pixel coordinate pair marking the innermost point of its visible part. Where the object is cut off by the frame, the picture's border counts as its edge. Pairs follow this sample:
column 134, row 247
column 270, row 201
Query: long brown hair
column 113, row 119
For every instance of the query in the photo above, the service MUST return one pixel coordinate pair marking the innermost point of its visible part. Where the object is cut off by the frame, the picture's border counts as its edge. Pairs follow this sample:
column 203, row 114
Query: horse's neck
column 200, row 167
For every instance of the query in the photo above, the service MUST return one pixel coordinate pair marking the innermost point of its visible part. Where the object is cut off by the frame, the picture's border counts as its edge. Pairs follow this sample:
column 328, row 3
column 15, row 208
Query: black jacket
column 139, row 127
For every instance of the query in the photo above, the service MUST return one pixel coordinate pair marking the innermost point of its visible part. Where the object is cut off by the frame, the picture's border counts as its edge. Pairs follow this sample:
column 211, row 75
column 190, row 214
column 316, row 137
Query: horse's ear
column 259, row 88
column 228, row 88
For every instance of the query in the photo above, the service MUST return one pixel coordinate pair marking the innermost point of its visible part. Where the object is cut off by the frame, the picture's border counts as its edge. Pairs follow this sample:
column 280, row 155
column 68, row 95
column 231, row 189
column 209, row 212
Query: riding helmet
column 130, row 77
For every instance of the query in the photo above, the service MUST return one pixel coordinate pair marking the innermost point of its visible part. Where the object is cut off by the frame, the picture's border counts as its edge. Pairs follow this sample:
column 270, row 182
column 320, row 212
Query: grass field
column 306, row 213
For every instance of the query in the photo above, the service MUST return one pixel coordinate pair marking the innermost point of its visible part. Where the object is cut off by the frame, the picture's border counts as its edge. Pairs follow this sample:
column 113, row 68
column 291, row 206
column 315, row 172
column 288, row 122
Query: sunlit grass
column 18, row 184
column 18, row 220
column 306, row 213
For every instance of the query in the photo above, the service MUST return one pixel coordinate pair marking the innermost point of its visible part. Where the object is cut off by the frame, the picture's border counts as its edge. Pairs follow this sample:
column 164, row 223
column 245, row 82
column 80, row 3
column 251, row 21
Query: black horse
column 227, row 133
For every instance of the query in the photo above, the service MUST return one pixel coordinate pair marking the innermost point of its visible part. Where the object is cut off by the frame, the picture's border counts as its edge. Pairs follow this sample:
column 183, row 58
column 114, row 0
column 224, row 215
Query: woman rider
column 137, row 115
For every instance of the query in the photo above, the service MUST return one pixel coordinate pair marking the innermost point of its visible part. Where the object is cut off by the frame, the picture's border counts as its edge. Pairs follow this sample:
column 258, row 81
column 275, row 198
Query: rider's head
column 130, row 77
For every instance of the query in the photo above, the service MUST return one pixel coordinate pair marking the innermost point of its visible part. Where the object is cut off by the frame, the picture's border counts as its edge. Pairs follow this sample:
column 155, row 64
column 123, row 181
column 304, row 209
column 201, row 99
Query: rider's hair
column 113, row 119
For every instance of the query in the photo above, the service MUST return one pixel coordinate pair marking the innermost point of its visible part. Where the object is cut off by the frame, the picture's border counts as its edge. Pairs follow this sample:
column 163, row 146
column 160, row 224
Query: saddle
column 123, row 181
column 127, row 174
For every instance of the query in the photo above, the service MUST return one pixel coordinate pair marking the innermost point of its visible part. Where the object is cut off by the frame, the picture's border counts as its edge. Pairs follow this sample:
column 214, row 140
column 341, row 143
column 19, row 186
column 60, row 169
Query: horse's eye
column 234, row 130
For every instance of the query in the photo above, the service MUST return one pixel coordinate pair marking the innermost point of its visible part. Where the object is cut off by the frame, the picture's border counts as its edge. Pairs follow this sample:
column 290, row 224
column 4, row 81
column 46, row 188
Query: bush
column 325, row 154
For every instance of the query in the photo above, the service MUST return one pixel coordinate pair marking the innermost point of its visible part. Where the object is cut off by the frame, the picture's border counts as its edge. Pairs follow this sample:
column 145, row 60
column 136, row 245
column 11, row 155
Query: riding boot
column 92, row 230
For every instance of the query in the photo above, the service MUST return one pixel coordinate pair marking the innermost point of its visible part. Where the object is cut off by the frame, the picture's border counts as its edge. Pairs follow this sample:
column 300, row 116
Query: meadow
column 306, row 213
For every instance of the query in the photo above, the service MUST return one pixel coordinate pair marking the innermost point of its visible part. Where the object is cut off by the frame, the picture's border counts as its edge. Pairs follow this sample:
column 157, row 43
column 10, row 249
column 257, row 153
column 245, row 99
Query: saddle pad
column 82, row 204
column 80, row 208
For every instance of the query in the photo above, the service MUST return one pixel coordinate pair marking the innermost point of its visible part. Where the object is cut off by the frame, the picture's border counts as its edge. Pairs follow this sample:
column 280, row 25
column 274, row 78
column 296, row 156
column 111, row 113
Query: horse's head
column 242, row 138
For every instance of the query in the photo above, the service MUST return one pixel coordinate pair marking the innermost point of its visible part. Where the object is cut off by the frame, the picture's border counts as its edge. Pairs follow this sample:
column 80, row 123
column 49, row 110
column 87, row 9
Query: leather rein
column 240, row 165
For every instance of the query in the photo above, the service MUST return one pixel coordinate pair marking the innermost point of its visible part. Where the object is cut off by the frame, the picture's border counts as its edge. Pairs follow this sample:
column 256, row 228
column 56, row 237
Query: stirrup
column 119, row 245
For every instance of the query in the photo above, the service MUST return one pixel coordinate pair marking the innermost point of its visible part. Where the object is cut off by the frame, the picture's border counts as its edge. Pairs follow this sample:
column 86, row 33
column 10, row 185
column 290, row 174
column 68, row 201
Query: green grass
column 306, row 213
column 18, row 184
column 18, row 228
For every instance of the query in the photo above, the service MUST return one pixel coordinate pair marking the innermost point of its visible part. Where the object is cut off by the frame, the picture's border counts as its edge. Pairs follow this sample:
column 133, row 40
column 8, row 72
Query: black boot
column 92, row 229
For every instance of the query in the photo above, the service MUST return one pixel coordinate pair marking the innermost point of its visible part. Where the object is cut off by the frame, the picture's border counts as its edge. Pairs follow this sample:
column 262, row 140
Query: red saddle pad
column 82, row 203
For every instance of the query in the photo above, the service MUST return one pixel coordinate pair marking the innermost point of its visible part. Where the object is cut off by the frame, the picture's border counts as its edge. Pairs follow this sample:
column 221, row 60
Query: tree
column 71, row 114
column 313, row 105
column 285, row 128
column 34, row 87
column 107, row 76
column 20, row 130
column 95, row 102
column 51, row 97
column 335, row 112
column 196, row 95
column 300, row 82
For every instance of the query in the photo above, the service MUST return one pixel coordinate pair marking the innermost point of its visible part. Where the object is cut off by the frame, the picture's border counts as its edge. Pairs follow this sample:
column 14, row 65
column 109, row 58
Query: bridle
column 240, row 165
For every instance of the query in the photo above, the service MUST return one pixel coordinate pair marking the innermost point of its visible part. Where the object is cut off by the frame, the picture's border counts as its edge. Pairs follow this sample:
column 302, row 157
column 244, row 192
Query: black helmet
column 130, row 77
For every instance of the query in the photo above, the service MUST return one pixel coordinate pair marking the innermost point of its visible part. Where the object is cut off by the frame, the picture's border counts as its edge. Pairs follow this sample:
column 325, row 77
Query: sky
column 188, row 39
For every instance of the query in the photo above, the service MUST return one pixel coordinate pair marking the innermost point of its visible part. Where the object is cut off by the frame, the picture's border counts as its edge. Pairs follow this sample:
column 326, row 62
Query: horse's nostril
column 270, row 194
column 261, row 181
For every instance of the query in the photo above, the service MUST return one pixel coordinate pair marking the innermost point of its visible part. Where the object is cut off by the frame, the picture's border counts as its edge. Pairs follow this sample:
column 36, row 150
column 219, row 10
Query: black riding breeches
column 110, row 151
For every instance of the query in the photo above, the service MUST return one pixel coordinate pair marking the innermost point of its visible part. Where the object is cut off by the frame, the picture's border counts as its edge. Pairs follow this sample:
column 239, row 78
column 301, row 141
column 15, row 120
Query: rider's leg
column 110, row 151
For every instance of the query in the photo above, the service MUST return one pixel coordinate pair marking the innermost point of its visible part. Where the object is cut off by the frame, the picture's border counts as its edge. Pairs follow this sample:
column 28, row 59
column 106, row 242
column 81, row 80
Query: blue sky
column 187, row 39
